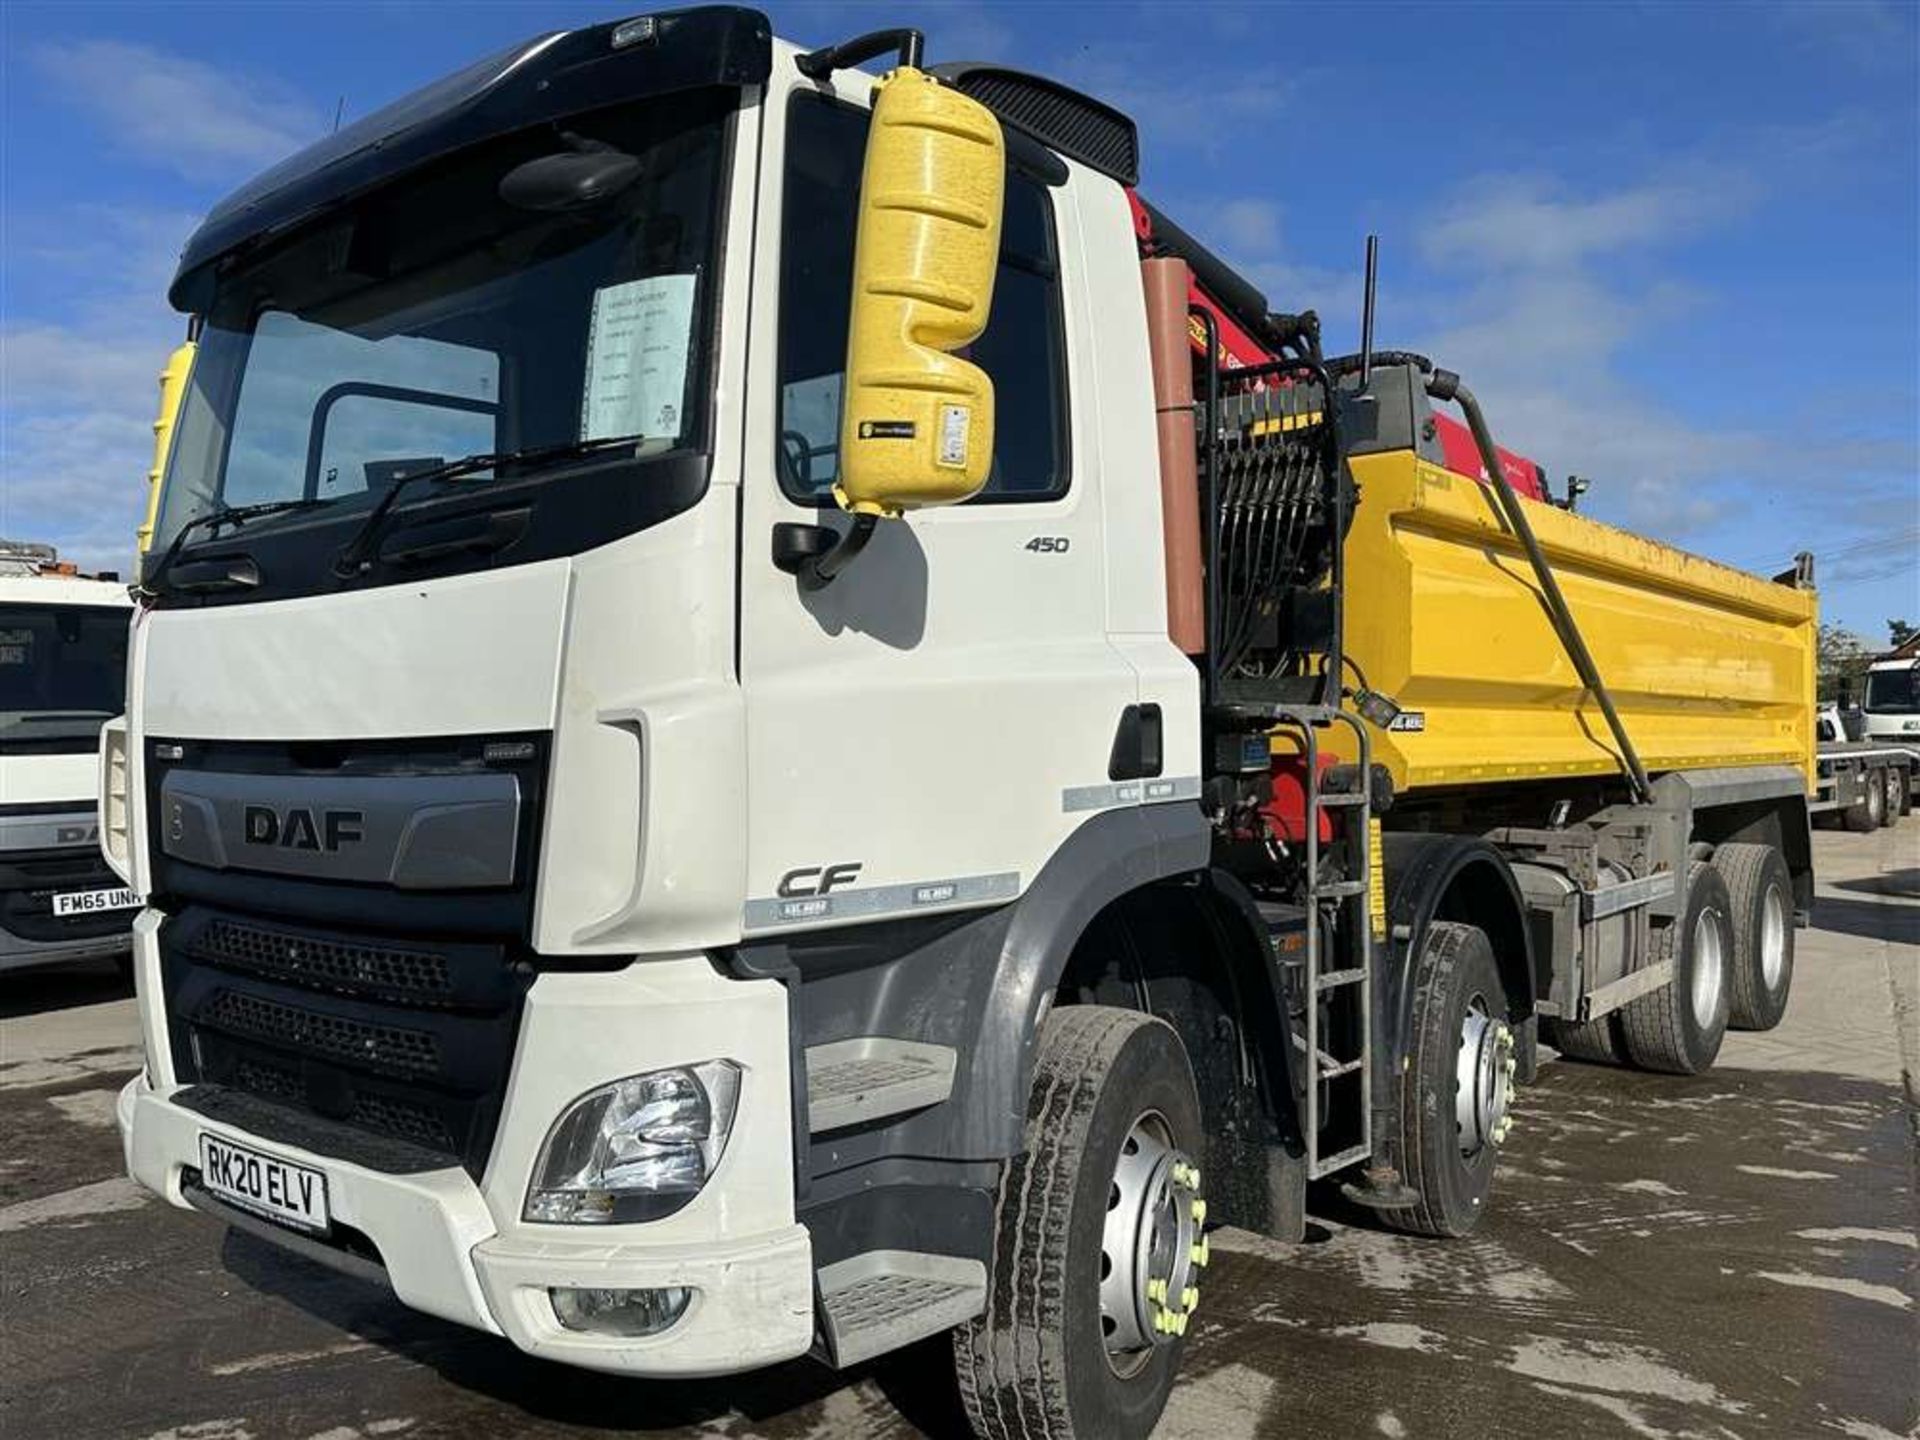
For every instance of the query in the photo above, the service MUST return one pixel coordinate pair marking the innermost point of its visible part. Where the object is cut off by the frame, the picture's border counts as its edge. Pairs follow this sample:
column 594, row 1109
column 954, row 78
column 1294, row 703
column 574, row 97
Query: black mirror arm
column 820, row 64
column 813, row 554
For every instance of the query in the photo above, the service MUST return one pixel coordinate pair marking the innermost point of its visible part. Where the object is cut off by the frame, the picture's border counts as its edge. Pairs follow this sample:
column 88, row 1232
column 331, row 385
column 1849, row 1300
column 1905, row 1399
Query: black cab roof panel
column 547, row 78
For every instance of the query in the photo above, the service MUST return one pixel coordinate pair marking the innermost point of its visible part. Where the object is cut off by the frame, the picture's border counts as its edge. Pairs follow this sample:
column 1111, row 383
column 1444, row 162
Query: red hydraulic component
column 1286, row 807
column 1239, row 349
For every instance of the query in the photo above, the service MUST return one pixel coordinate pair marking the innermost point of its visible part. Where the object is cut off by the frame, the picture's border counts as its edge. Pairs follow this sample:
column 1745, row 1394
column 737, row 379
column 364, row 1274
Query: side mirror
column 917, row 424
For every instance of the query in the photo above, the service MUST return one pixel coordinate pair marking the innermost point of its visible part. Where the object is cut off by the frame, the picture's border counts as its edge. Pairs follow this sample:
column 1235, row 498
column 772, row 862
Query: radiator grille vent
column 381, row 1047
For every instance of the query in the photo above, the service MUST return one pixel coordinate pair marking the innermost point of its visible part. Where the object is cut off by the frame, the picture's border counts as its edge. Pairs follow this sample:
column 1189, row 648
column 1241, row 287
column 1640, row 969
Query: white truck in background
column 63, row 665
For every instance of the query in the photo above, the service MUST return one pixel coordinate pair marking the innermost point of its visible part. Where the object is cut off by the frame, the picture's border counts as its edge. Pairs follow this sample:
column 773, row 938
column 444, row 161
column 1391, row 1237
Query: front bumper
column 19, row 953
column 456, row 1248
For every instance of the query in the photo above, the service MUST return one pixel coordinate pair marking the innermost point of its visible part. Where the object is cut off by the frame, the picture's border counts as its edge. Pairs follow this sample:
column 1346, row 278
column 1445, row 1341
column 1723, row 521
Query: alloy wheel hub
column 1152, row 1248
column 1709, row 966
column 1483, row 1079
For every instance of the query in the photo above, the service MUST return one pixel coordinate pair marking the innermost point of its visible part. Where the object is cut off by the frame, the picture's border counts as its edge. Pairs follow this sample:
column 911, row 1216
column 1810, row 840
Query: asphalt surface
column 1733, row 1255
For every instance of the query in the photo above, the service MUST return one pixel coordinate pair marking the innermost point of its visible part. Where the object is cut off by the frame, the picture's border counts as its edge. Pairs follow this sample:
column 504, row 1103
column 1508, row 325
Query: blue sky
column 1674, row 248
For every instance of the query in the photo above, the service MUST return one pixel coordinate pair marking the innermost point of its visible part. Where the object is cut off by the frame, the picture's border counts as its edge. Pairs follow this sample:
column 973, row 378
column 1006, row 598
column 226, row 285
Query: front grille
column 356, row 1017
column 380, row 1047
column 335, row 964
column 402, row 1040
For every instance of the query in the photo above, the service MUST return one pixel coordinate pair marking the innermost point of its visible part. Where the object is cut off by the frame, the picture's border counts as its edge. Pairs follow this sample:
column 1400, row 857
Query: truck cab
column 1890, row 703
column 480, row 810
column 63, row 647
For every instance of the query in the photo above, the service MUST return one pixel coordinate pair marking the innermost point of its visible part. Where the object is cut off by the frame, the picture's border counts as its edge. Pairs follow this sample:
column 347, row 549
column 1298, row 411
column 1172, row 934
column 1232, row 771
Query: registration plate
column 292, row 1194
column 92, row 902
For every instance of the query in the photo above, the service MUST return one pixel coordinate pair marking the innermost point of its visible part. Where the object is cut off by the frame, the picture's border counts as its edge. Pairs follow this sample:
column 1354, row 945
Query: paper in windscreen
column 639, row 341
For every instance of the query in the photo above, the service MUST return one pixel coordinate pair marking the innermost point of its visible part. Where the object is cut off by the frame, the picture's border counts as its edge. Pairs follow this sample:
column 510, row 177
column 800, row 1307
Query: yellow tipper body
column 1707, row 665
column 173, row 386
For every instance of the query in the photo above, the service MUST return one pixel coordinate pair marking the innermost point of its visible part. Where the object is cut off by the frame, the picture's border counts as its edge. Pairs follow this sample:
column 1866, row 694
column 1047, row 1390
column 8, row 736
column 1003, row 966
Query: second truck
column 770, row 717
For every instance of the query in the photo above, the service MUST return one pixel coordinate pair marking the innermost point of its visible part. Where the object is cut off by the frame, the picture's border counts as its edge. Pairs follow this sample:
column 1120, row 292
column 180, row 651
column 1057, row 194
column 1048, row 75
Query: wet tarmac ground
column 1733, row 1255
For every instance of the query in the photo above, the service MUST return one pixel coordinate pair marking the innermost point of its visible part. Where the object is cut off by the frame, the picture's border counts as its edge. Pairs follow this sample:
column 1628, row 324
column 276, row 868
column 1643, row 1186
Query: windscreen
column 63, row 673
column 1893, row 692
column 435, row 320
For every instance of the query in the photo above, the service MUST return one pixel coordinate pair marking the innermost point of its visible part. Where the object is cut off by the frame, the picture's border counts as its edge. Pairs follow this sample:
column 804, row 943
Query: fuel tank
column 1707, row 665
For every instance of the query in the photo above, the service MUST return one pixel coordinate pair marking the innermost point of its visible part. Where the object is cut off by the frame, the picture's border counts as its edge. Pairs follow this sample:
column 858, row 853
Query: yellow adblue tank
column 173, row 386
column 917, row 424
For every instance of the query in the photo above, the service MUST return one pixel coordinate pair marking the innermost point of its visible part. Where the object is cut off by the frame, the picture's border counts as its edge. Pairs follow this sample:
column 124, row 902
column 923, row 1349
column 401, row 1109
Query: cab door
column 926, row 729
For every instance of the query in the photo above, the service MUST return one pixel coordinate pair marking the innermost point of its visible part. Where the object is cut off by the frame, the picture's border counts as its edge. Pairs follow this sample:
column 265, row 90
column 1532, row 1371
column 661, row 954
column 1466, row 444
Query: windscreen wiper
column 356, row 556
column 149, row 584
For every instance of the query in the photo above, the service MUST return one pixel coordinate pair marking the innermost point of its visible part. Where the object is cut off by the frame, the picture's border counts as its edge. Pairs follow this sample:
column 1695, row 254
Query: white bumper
column 458, row 1249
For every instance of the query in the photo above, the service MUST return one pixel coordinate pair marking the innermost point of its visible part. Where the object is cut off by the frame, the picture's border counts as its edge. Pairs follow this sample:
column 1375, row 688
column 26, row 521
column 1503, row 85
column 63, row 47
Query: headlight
column 637, row 1149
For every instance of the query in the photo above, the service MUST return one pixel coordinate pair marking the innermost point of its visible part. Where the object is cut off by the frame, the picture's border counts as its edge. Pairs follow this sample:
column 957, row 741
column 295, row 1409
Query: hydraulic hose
column 1445, row 385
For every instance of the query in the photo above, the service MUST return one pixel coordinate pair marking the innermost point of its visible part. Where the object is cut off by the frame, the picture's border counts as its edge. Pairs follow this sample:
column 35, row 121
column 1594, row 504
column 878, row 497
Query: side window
column 1022, row 348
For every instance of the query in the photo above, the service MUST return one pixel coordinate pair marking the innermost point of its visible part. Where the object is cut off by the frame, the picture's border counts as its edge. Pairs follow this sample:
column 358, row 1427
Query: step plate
column 878, row 1302
column 853, row 1081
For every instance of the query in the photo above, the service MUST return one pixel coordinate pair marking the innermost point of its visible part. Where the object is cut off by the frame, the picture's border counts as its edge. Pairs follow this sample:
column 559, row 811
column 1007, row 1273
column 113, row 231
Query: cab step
column 884, row 1299
column 850, row 1082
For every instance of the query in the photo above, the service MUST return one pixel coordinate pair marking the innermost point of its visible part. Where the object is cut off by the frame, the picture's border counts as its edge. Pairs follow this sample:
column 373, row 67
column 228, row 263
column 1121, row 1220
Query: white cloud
column 78, row 393
column 1536, row 223
column 204, row 123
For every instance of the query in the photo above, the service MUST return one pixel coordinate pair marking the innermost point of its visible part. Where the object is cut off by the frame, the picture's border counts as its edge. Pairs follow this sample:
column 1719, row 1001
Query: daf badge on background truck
column 772, row 717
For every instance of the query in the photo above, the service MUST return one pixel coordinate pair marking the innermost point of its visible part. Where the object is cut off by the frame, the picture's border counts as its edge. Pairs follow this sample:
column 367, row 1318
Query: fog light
column 637, row 1149
column 630, row 1313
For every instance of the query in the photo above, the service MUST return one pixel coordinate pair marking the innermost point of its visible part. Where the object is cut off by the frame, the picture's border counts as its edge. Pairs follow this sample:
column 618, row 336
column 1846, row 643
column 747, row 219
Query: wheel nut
column 1199, row 1211
column 1179, row 1324
column 1198, row 1252
column 1157, row 1291
column 1193, row 1176
column 1190, row 1298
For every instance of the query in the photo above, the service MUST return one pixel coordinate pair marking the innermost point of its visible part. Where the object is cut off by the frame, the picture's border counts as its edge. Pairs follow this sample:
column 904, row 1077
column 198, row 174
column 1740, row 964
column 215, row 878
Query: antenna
column 339, row 107
column 1366, row 311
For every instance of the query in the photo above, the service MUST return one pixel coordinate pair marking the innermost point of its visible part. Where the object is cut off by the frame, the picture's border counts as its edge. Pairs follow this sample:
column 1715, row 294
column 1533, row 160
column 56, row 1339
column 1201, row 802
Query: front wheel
column 1458, row 1082
column 1896, row 804
column 1099, row 1248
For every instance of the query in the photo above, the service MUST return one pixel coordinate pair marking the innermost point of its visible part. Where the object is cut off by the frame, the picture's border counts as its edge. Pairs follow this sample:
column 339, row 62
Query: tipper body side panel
column 1709, row 666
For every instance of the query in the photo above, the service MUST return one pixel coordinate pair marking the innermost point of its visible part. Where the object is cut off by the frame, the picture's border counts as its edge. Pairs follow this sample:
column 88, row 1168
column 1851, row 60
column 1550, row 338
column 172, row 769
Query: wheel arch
column 1462, row 878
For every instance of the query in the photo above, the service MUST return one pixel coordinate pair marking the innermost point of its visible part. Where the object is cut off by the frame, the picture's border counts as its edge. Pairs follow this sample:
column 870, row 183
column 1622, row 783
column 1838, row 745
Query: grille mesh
column 385, row 1047
column 318, row 961
column 1076, row 125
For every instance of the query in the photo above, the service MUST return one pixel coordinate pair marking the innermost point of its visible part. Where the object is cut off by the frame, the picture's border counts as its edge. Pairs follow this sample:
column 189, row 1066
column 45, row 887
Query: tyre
column 1760, row 907
column 1593, row 1041
column 1459, row 1077
column 1678, row 1028
column 1098, row 1243
column 1905, row 791
column 1869, row 812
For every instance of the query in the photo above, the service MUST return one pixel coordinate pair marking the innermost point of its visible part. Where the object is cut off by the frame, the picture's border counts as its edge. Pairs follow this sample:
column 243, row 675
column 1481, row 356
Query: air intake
column 1077, row 126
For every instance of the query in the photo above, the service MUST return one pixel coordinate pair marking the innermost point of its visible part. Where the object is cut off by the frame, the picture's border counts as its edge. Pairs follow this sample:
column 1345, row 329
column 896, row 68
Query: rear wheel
column 1678, row 1028
column 1869, row 812
column 1760, row 907
column 1099, row 1249
column 1459, row 1080
column 1592, row 1041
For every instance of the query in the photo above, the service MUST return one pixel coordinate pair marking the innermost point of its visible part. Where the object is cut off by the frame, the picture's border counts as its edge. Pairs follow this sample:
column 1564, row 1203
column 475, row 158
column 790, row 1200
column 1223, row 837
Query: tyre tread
column 1439, row 957
column 1744, row 868
column 1005, row 1360
column 1653, row 1028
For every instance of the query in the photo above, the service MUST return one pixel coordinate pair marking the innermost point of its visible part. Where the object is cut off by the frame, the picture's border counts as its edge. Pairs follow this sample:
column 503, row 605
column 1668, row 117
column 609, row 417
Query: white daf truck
column 63, row 658
column 738, row 739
